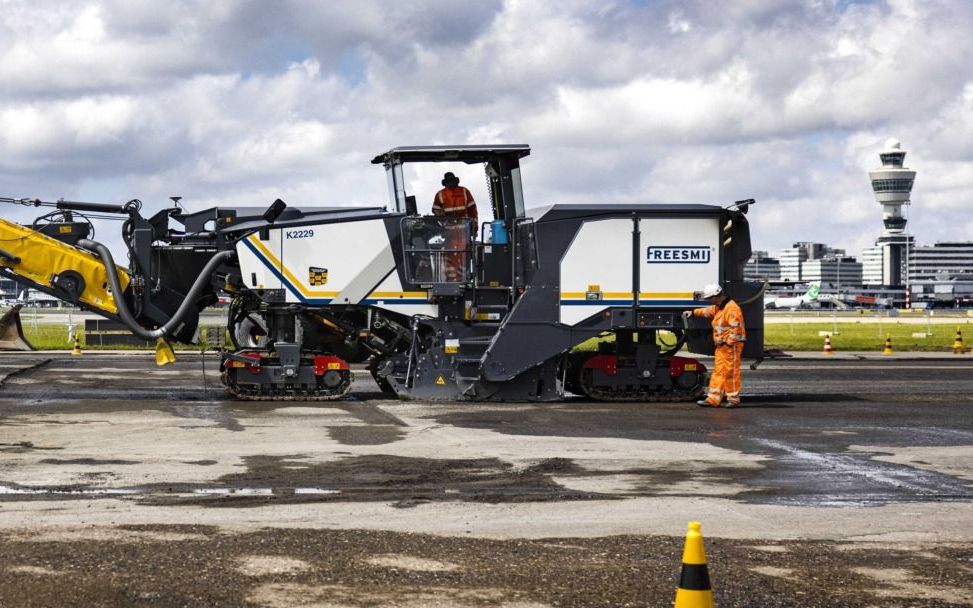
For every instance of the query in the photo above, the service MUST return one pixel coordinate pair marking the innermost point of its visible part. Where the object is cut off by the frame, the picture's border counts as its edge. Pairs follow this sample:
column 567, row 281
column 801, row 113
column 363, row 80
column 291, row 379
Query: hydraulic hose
column 760, row 292
column 125, row 315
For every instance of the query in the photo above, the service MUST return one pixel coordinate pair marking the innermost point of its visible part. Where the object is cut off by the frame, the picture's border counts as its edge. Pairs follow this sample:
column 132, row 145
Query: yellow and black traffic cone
column 77, row 346
column 694, row 590
column 958, row 348
column 827, row 345
column 887, row 349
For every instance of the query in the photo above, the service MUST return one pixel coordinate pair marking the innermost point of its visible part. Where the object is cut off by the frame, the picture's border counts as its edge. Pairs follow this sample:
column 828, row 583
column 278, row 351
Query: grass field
column 863, row 336
column 54, row 336
column 786, row 336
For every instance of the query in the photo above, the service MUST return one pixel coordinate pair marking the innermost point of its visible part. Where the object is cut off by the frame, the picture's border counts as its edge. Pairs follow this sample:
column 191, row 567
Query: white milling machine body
column 442, row 313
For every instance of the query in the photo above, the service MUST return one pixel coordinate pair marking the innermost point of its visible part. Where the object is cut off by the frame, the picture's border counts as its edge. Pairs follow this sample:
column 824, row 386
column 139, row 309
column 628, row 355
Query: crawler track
column 600, row 394
column 268, row 392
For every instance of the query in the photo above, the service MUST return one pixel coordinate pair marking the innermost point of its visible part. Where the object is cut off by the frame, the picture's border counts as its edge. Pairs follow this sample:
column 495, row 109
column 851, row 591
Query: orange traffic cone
column 827, row 345
column 77, row 346
column 958, row 348
column 694, row 590
column 887, row 349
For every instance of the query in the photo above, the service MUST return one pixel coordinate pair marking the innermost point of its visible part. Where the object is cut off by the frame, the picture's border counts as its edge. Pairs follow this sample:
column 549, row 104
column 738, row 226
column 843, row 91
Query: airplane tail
column 813, row 291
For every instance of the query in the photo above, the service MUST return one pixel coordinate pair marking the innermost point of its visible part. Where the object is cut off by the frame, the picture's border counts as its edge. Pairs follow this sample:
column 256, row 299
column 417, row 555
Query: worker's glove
column 686, row 314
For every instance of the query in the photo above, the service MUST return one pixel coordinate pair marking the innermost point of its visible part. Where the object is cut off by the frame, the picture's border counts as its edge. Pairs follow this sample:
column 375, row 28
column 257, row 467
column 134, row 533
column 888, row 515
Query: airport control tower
column 892, row 184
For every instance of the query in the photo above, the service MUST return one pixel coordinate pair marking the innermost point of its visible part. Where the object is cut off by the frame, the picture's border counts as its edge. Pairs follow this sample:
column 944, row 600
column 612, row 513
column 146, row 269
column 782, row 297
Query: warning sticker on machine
column 440, row 380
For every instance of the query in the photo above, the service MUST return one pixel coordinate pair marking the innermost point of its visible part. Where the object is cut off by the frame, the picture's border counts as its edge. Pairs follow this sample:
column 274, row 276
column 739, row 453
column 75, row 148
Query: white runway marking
column 135, row 491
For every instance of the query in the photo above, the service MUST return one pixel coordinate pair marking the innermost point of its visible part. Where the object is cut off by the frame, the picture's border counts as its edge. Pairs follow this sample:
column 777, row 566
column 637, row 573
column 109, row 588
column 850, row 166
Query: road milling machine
column 439, row 308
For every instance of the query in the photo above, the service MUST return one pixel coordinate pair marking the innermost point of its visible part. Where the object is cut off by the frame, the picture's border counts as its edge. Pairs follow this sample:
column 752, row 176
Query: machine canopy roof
column 467, row 154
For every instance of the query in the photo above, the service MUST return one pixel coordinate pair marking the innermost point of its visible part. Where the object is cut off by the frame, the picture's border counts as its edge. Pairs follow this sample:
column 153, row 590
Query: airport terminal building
column 941, row 273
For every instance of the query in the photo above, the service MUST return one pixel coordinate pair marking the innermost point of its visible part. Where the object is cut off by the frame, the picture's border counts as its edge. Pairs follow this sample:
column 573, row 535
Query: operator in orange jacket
column 729, row 334
column 455, row 201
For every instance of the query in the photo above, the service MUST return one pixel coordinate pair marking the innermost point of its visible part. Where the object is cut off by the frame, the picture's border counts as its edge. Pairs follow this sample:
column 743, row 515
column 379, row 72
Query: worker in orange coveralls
column 455, row 201
column 729, row 334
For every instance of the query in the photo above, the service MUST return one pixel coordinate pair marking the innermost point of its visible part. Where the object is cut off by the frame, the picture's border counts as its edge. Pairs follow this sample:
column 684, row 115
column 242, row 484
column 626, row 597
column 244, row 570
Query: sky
column 650, row 101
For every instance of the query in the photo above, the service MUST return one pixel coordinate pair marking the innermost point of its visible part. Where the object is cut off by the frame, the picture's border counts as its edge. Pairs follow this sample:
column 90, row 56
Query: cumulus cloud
column 623, row 101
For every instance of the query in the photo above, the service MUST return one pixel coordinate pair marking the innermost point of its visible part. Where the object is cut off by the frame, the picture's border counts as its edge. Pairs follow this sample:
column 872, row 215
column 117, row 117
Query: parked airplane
column 21, row 299
column 806, row 300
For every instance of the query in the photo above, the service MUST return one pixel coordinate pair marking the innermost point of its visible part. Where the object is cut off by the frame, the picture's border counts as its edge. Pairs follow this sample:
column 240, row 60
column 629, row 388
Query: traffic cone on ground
column 694, row 590
column 887, row 350
column 958, row 348
column 77, row 346
column 827, row 345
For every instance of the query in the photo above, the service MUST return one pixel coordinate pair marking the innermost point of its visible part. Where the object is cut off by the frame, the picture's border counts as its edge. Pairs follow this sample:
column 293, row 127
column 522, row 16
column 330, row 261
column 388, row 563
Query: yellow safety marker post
column 887, row 349
column 958, row 348
column 694, row 590
column 827, row 345
column 77, row 346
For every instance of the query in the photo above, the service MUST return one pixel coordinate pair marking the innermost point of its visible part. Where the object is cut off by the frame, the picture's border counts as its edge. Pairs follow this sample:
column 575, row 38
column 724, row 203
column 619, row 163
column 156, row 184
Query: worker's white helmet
column 711, row 291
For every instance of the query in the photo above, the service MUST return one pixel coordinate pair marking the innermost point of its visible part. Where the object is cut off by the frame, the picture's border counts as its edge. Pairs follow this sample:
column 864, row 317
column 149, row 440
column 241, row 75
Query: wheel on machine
column 332, row 379
column 689, row 380
column 251, row 332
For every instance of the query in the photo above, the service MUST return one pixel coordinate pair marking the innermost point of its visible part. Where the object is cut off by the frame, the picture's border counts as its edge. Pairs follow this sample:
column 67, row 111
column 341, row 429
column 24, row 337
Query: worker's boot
column 707, row 403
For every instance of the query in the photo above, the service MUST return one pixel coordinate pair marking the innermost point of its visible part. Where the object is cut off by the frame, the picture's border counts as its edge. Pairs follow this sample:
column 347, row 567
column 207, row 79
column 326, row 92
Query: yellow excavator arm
column 54, row 265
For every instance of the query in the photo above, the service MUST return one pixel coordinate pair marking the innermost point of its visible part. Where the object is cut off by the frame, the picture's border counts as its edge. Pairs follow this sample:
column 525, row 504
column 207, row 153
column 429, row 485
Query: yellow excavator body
column 42, row 258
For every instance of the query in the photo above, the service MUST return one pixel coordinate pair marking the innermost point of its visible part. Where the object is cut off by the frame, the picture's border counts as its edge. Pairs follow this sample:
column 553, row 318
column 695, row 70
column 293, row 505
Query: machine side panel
column 359, row 286
column 678, row 256
column 260, row 262
column 600, row 257
column 330, row 260
column 319, row 264
column 390, row 296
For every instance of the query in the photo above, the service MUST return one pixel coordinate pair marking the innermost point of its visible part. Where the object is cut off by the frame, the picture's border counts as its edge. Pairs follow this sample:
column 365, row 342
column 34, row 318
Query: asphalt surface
column 840, row 483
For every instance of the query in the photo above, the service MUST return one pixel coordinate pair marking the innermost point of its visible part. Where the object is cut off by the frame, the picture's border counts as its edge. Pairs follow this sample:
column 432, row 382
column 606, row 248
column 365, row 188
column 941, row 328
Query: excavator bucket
column 12, row 332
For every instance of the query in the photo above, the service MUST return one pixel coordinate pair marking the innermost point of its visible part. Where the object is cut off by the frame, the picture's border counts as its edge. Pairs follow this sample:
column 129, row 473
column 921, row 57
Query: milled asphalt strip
column 904, row 478
column 22, row 370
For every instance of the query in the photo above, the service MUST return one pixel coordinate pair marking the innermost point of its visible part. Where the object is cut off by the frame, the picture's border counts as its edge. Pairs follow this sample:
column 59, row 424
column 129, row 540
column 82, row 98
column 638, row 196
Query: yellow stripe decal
column 398, row 294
